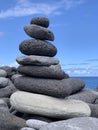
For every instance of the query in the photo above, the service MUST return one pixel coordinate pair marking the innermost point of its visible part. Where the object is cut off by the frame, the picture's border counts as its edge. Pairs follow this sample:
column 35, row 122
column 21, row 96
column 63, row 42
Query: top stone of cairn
column 40, row 21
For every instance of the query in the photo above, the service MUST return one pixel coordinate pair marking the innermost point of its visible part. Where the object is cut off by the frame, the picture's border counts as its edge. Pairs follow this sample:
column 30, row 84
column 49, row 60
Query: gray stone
column 37, row 47
column 81, row 123
column 3, row 73
column 66, row 76
column 9, row 70
column 15, row 76
column 87, row 95
column 37, row 60
column 96, row 100
column 39, row 32
column 50, row 72
column 94, row 110
column 8, row 90
column 3, row 82
column 10, row 122
column 7, row 101
column 48, row 106
column 27, row 128
column 3, row 106
column 52, row 87
column 41, row 21
column 36, row 124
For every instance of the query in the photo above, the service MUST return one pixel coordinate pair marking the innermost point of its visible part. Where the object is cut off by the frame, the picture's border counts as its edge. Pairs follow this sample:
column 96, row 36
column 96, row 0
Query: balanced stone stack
column 43, row 83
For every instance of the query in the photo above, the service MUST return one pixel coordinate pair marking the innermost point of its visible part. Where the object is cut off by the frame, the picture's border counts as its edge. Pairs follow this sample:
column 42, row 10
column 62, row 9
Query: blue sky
column 73, row 22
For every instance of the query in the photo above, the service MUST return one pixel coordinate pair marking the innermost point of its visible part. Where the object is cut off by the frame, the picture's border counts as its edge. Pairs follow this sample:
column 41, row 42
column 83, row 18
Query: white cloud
column 82, row 71
column 13, row 64
column 25, row 8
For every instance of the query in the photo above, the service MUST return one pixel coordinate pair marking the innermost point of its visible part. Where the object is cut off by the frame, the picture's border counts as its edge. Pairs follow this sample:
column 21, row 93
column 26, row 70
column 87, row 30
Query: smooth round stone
column 3, row 82
column 39, row 32
column 80, row 123
column 48, row 106
column 36, row 124
column 37, row 47
column 52, row 87
column 10, row 122
column 51, row 72
column 8, row 90
column 9, row 70
column 87, row 95
column 3, row 73
column 41, row 21
column 37, row 60
column 27, row 128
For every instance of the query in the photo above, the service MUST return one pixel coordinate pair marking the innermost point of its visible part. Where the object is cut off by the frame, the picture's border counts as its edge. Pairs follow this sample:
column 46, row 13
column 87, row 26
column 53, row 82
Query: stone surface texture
column 41, row 21
column 87, row 95
column 37, row 60
column 37, row 47
column 36, row 124
column 51, row 87
column 81, row 123
column 49, row 72
column 39, row 32
column 48, row 106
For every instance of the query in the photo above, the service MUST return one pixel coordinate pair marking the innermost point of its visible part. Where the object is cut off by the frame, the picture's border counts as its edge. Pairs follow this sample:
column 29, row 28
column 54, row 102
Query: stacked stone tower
column 39, row 61
column 43, row 83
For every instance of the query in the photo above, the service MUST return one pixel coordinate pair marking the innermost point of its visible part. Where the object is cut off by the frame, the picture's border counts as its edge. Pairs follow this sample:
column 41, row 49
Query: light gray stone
column 39, row 32
column 3, row 82
column 37, row 47
column 41, row 21
column 87, row 95
column 27, row 128
column 51, row 87
column 49, row 72
column 36, row 124
column 3, row 73
column 48, row 106
column 37, row 60
column 81, row 123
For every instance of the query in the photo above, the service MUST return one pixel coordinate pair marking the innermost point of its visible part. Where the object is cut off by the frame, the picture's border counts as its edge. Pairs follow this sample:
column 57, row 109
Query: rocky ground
column 39, row 95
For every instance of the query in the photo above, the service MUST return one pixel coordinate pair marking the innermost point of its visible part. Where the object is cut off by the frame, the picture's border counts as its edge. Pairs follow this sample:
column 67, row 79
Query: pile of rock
column 43, row 85
column 6, row 85
column 7, row 120
column 45, row 92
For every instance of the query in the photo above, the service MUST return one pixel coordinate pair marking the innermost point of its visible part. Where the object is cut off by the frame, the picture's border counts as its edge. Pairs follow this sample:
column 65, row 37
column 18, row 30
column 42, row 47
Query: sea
column 90, row 82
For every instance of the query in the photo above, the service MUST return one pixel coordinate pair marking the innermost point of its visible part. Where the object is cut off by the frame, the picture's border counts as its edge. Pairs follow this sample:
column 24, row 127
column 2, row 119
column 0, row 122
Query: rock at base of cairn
column 48, row 106
column 51, row 87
